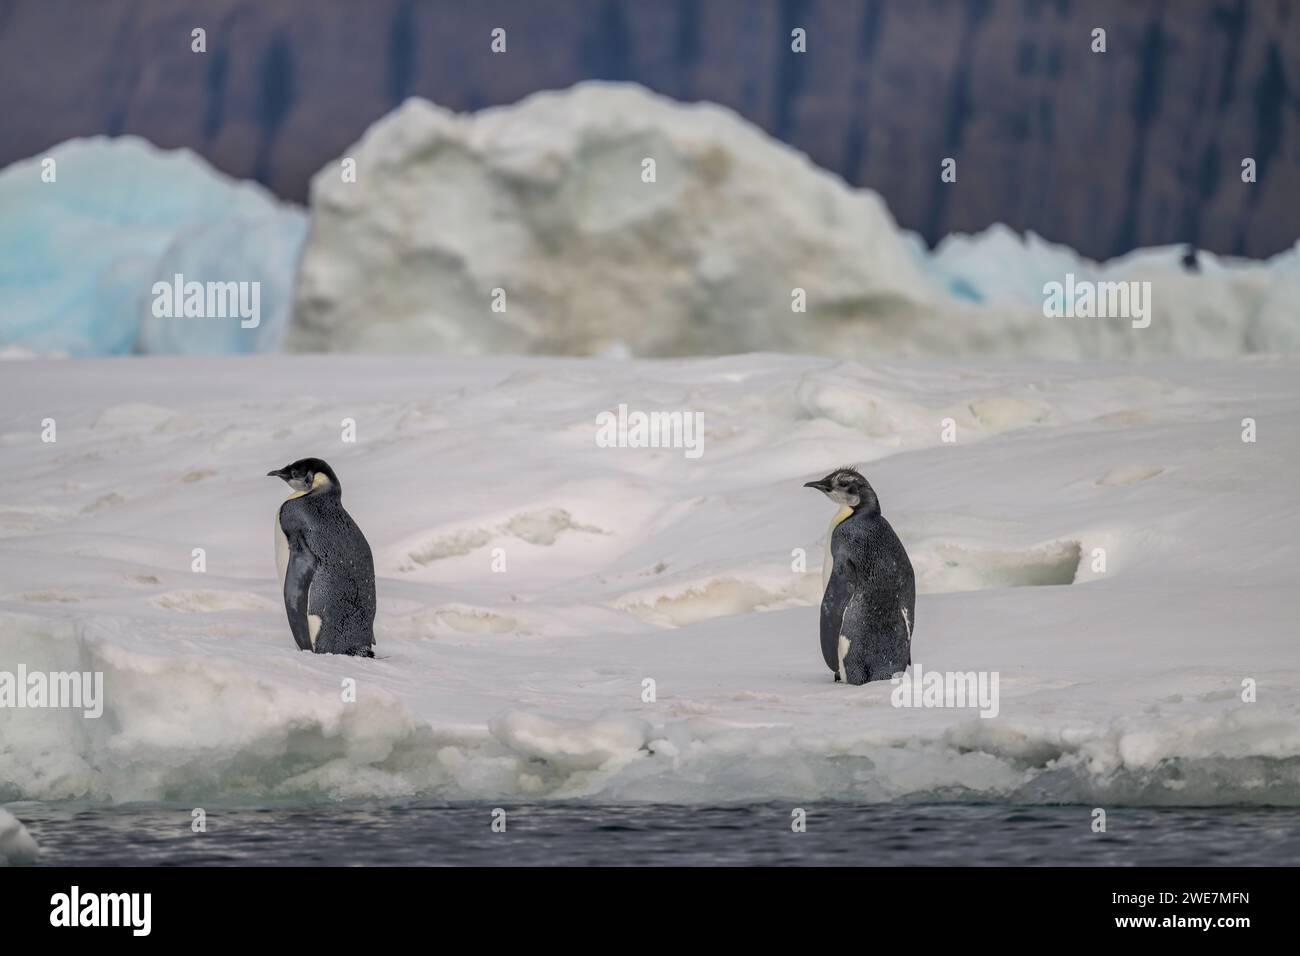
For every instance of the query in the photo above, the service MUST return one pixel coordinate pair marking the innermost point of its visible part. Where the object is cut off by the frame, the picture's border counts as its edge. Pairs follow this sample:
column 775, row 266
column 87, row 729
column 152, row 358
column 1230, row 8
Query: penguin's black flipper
column 297, row 585
column 839, row 591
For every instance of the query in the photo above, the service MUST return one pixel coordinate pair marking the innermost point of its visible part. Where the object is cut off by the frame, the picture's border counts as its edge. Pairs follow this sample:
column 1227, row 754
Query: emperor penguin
column 869, row 605
column 327, row 573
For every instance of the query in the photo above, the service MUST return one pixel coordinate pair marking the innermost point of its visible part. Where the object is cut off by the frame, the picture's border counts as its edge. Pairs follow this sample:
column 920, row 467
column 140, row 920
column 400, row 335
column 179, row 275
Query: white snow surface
column 545, row 201
column 624, row 564
column 17, row 847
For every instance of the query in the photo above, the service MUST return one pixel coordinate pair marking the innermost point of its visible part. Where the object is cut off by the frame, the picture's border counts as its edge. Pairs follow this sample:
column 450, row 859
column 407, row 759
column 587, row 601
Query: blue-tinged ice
column 85, row 238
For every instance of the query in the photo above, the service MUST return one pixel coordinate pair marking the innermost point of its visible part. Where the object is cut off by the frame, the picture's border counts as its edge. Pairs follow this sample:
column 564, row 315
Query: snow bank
column 527, row 680
column 17, row 847
column 1223, row 307
column 79, row 256
column 546, row 201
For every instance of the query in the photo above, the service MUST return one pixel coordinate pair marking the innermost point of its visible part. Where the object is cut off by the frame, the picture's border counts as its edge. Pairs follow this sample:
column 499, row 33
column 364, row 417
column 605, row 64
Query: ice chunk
column 548, row 201
column 17, row 847
column 538, row 228
column 79, row 256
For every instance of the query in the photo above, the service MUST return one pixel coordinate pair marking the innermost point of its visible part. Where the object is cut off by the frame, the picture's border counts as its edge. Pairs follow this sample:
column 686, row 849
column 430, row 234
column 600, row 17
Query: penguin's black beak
column 275, row 474
column 823, row 486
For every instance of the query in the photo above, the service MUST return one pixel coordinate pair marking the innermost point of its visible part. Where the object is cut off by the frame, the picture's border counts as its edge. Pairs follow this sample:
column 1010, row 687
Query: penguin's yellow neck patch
column 318, row 480
column 843, row 513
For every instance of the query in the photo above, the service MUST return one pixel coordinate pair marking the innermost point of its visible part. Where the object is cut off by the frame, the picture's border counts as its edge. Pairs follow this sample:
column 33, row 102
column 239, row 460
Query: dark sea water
column 415, row 834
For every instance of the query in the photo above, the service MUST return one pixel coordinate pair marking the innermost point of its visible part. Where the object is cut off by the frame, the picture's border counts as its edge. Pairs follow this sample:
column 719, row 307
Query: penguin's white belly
column 281, row 552
column 843, row 652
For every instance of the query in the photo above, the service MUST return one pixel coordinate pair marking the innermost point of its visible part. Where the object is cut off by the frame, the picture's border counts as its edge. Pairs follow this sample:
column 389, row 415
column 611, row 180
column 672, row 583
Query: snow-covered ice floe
column 531, row 581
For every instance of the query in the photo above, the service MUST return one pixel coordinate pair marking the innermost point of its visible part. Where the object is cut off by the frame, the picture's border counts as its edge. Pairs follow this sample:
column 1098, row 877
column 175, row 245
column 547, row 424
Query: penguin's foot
column 837, row 677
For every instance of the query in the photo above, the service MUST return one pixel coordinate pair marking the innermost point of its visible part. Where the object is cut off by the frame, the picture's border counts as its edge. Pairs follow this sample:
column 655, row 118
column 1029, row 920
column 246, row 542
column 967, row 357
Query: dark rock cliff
column 1139, row 146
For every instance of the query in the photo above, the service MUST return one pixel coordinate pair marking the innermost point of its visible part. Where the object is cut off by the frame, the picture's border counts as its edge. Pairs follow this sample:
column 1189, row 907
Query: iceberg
column 82, row 249
column 601, row 220
column 608, row 220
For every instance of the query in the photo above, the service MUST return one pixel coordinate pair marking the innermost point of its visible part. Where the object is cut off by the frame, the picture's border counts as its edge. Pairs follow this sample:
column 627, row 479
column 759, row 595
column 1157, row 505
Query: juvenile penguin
column 326, row 570
column 869, row 607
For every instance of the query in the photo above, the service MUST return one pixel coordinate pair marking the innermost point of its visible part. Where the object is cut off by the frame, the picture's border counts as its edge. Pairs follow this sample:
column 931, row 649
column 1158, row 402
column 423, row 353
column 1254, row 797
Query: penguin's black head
column 846, row 486
column 307, row 474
